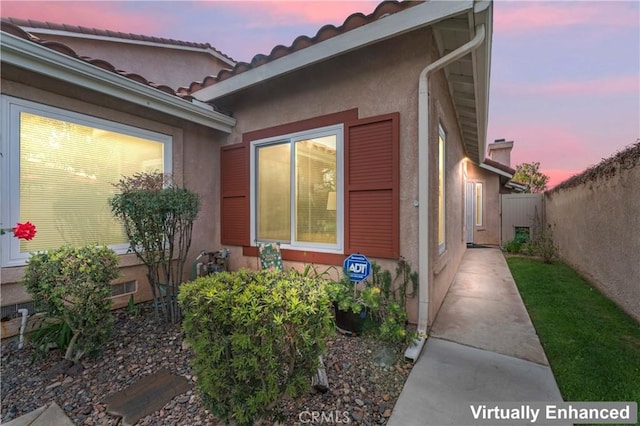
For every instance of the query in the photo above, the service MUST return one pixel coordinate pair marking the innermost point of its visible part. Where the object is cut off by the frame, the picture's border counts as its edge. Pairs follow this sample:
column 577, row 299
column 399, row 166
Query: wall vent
column 11, row 311
column 126, row 287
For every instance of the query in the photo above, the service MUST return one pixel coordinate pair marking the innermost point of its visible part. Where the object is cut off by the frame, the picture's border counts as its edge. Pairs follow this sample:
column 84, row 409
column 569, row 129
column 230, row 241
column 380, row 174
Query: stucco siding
column 166, row 65
column 377, row 80
column 596, row 228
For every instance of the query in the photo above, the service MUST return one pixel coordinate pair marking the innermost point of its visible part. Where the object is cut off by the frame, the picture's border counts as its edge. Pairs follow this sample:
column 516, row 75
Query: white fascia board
column 28, row 55
column 483, row 15
column 496, row 170
column 113, row 39
column 415, row 17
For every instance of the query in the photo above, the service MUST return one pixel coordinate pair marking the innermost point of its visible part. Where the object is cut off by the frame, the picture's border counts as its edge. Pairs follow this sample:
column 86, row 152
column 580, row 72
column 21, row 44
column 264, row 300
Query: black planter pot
column 349, row 321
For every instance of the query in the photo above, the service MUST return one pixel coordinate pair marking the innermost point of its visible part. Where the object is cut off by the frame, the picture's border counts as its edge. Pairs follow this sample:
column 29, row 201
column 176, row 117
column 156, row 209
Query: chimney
column 500, row 151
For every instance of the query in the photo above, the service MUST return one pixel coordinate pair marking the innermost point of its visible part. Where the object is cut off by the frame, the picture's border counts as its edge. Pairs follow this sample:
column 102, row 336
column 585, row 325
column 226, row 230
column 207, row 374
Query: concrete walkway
column 482, row 348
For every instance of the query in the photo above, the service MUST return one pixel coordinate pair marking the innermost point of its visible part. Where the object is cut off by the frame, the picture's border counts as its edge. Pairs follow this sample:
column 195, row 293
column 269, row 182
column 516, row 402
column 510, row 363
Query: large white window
column 58, row 172
column 296, row 189
column 441, row 189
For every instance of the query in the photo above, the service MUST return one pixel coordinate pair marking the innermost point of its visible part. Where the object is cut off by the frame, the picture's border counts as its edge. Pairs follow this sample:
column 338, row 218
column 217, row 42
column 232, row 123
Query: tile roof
column 499, row 166
column 29, row 23
column 10, row 27
column 355, row 20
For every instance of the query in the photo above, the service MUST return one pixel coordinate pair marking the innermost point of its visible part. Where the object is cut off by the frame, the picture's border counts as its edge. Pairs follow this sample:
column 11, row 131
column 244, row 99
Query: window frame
column 442, row 189
column 479, row 203
column 12, row 108
column 336, row 130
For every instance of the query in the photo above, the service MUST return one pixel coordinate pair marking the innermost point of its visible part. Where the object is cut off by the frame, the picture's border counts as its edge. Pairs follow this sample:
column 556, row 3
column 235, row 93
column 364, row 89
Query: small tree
column 72, row 286
column 158, row 219
column 530, row 175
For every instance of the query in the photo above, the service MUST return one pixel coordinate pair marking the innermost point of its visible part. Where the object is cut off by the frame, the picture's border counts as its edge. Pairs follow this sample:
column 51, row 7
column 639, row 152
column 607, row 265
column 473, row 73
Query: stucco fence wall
column 597, row 227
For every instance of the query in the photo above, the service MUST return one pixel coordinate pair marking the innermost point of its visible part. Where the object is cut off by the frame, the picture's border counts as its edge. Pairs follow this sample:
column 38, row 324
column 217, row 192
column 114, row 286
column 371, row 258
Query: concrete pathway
column 482, row 348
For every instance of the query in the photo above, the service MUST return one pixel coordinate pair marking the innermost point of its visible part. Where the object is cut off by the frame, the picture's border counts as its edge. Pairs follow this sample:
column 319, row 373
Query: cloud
column 276, row 14
column 603, row 86
column 528, row 17
column 93, row 14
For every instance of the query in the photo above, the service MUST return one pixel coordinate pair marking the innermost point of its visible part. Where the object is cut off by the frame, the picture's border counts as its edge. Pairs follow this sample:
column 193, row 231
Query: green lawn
column 592, row 345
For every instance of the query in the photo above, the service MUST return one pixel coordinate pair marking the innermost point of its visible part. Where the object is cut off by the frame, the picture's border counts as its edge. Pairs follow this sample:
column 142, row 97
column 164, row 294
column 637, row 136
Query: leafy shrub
column 158, row 219
column 256, row 336
column 383, row 298
column 72, row 286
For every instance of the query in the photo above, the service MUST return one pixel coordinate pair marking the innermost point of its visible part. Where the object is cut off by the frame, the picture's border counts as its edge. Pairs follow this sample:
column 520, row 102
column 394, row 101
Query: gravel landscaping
column 363, row 387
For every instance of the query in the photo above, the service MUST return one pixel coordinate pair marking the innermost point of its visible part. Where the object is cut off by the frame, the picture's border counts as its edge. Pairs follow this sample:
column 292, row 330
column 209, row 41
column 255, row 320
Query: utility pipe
column 413, row 352
column 23, row 326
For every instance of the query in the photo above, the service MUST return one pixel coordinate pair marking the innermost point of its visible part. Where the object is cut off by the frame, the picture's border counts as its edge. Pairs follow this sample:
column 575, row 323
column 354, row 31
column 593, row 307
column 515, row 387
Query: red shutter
column 372, row 187
column 234, row 199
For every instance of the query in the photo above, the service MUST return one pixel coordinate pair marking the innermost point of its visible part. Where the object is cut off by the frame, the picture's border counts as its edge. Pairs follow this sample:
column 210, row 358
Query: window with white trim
column 441, row 189
column 296, row 189
column 478, row 202
column 58, row 170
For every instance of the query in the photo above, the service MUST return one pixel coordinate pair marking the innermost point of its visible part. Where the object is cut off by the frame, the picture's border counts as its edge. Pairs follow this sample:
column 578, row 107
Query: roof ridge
column 47, row 25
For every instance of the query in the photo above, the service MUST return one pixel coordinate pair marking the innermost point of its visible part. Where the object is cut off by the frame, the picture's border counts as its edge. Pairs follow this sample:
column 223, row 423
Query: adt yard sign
column 358, row 267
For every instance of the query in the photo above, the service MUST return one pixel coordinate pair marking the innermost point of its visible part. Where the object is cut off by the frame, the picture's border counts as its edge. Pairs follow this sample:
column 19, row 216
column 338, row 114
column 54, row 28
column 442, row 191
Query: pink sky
column 565, row 83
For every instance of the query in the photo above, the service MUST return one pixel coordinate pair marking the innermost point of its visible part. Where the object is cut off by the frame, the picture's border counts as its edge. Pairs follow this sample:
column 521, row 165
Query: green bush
column 383, row 298
column 158, row 219
column 72, row 286
column 256, row 336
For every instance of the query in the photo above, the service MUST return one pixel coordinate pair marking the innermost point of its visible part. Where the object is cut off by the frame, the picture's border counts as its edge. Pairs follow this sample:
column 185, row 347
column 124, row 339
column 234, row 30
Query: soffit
column 468, row 78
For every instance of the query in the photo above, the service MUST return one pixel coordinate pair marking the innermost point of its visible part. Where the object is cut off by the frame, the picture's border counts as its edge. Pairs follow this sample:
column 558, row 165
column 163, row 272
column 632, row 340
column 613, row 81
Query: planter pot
column 349, row 321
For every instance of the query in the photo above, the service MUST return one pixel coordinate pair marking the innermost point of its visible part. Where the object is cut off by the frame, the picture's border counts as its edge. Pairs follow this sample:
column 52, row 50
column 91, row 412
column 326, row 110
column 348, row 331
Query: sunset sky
column 565, row 79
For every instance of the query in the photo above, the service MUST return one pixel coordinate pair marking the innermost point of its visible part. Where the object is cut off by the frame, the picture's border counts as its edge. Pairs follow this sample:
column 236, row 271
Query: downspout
column 413, row 352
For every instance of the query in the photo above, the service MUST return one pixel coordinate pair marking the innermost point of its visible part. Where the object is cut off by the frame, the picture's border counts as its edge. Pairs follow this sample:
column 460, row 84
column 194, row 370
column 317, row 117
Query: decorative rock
column 359, row 402
column 387, row 413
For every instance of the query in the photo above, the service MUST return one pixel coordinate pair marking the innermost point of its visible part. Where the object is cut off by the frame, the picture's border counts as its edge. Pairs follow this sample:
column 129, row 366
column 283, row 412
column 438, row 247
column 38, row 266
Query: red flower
column 24, row 231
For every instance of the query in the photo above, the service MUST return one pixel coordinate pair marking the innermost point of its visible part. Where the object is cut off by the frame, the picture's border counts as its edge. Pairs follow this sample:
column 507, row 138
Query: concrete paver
column 51, row 415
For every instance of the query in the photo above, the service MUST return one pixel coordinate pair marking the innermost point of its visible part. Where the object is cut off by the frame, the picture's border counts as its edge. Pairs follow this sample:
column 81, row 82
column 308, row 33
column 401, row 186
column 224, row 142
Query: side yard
column 593, row 347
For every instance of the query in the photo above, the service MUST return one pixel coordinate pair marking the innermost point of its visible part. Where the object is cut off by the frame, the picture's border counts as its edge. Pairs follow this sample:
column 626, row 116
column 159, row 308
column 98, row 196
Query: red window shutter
column 372, row 187
column 234, row 210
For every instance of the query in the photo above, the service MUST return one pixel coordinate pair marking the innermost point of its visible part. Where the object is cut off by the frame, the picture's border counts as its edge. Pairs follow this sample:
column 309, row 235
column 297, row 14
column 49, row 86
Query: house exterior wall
column 595, row 226
column 166, row 65
column 376, row 80
column 489, row 232
column 195, row 158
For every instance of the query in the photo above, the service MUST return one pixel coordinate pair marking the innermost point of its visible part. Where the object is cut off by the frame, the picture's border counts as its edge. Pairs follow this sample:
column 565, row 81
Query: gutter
column 413, row 351
column 32, row 56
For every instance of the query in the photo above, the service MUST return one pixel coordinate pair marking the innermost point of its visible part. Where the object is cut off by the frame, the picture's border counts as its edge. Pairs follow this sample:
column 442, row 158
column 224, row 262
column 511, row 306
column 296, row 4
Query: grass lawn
column 592, row 345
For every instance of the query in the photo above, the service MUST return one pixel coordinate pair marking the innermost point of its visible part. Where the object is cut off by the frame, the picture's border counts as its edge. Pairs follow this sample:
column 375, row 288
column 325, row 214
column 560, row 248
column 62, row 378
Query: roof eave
column 495, row 170
column 32, row 56
column 416, row 17
column 483, row 14
column 71, row 34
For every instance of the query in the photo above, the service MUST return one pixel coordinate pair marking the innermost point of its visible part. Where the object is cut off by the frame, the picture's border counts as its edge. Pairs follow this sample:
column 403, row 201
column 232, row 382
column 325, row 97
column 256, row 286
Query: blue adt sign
column 358, row 267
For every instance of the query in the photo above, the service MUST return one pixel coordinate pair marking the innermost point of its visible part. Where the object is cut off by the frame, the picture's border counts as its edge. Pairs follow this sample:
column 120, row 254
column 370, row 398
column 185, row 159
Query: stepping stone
column 43, row 416
column 146, row 396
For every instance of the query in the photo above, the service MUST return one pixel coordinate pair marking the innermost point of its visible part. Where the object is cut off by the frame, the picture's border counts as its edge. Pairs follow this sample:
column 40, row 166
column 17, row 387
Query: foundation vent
column 11, row 311
column 126, row 287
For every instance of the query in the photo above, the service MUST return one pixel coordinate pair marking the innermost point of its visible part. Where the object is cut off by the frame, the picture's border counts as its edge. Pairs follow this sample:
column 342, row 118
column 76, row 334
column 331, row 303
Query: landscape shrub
column 256, row 336
column 158, row 220
column 71, row 285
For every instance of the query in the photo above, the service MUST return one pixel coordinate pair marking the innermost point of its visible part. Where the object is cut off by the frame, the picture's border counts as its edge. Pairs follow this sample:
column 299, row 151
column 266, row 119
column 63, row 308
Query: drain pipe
column 23, row 326
column 413, row 352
